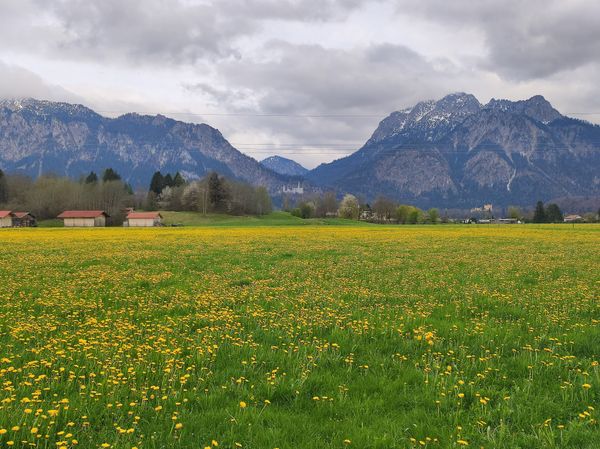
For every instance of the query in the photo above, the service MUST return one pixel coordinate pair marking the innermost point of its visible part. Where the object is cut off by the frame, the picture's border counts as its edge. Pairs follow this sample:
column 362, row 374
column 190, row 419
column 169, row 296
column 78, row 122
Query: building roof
column 82, row 214
column 21, row 214
column 143, row 215
column 5, row 213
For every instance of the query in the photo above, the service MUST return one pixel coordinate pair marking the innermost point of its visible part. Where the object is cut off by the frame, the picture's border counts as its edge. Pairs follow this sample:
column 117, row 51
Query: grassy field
column 300, row 337
column 277, row 218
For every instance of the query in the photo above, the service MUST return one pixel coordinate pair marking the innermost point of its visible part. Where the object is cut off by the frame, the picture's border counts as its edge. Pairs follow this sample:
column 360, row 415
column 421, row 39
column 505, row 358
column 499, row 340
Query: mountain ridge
column 456, row 152
column 284, row 166
column 39, row 136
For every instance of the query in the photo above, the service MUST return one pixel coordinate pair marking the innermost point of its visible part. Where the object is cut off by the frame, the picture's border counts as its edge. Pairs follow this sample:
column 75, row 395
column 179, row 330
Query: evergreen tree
column 168, row 180
column 217, row 192
column 157, row 183
column 178, row 180
column 539, row 216
column 554, row 214
column 3, row 188
column 92, row 178
column 110, row 175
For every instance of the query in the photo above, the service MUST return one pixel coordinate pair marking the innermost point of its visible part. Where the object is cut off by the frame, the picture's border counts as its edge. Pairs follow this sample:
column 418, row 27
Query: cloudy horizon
column 308, row 80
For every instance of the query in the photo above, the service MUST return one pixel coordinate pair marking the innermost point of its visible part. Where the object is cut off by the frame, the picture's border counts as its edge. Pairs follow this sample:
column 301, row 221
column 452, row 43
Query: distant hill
column 39, row 137
column 456, row 152
column 284, row 166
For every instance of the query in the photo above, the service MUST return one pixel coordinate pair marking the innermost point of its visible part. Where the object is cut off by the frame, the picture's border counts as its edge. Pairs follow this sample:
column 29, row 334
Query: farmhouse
column 573, row 218
column 24, row 220
column 84, row 218
column 144, row 219
column 6, row 219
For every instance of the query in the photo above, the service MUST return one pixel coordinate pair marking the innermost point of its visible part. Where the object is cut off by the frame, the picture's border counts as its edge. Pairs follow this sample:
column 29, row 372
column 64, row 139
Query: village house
column 6, row 219
column 84, row 218
column 143, row 219
column 24, row 220
column 573, row 218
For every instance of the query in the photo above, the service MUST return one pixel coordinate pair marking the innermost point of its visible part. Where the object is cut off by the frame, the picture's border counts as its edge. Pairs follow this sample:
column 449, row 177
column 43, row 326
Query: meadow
column 300, row 337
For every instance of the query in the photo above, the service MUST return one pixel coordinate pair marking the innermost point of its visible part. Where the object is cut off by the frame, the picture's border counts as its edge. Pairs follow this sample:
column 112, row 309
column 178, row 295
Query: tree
column 157, row 183
column 539, row 216
column 402, row 213
column 554, row 214
column 514, row 212
column 306, row 209
column 92, row 178
column 217, row 192
column 383, row 208
column 110, row 175
column 3, row 188
column 414, row 216
column 263, row 201
column 326, row 205
column 178, row 180
column 168, row 180
column 349, row 207
column 434, row 215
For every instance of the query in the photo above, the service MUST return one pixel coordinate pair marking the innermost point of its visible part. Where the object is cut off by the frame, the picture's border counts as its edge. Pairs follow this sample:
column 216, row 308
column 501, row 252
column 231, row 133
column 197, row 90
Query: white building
column 143, row 219
column 84, row 218
column 6, row 219
column 299, row 190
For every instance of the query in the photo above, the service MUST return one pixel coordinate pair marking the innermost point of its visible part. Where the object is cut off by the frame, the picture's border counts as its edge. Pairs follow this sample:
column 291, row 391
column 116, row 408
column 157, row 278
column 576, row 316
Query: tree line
column 212, row 194
column 383, row 210
column 49, row 195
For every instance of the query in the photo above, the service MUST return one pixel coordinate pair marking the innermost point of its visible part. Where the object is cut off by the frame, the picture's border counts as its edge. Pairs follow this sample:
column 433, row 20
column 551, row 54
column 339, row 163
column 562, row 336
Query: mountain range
column 284, row 166
column 454, row 152
column 46, row 137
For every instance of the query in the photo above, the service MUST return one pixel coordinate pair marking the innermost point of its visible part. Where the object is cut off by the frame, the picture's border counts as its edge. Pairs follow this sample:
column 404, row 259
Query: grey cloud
column 149, row 31
column 525, row 39
column 17, row 82
column 348, row 84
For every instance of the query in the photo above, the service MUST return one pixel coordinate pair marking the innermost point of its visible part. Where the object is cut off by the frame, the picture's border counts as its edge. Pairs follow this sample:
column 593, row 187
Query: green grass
column 333, row 336
column 277, row 218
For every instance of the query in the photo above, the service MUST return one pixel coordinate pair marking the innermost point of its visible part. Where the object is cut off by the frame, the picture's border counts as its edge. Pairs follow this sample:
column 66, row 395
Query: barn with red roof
column 84, row 218
column 144, row 219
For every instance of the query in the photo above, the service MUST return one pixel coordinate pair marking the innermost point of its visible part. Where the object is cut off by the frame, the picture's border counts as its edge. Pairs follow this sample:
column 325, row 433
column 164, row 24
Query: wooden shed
column 6, row 219
column 24, row 220
column 144, row 219
column 84, row 218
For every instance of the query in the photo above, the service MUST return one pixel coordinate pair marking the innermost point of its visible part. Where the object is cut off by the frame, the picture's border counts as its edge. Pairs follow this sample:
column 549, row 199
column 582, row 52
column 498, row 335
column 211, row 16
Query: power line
column 275, row 115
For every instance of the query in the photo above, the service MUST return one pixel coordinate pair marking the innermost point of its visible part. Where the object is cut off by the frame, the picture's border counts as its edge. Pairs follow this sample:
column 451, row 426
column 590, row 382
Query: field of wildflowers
column 314, row 337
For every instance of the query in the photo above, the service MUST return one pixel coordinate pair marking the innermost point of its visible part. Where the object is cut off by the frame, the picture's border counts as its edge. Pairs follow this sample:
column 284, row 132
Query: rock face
column 39, row 137
column 458, row 153
column 284, row 166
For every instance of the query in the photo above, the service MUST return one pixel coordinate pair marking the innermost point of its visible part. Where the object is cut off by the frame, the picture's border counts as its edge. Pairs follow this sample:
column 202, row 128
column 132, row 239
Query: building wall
column 6, row 222
column 100, row 221
column 79, row 222
column 141, row 222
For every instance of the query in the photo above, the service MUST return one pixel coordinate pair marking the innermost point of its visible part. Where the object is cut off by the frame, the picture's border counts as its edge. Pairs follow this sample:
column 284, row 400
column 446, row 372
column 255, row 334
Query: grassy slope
column 330, row 325
column 273, row 219
column 197, row 219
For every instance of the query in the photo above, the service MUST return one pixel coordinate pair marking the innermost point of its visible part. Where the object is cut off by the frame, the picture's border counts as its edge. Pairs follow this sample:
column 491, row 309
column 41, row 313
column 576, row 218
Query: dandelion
column 243, row 404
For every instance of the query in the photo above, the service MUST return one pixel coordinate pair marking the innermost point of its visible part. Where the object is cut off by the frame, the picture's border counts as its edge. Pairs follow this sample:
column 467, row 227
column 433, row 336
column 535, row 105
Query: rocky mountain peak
column 47, row 108
column 284, row 166
column 536, row 107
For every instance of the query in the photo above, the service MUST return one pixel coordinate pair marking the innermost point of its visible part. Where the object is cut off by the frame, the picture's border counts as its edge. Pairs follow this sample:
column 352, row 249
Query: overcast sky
column 306, row 79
